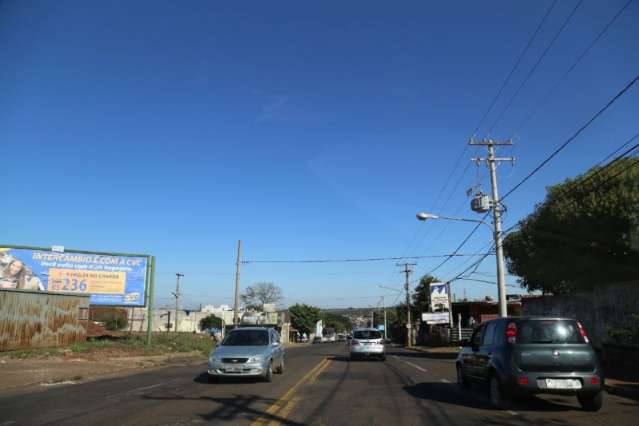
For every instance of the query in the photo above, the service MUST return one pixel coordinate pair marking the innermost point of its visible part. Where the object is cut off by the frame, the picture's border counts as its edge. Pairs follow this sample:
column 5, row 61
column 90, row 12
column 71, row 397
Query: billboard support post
column 149, row 305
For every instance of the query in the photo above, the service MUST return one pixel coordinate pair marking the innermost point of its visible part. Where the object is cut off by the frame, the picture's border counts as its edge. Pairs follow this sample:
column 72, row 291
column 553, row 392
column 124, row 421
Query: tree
column 584, row 234
column 210, row 321
column 257, row 295
column 304, row 317
column 336, row 321
column 421, row 296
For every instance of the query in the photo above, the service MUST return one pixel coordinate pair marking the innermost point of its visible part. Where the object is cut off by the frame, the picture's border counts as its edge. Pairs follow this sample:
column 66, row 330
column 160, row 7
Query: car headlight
column 215, row 358
column 254, row 359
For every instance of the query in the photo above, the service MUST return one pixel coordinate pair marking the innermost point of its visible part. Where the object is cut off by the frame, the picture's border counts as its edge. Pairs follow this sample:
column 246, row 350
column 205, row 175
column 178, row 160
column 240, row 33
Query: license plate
column 563, row 384
column 233, row 369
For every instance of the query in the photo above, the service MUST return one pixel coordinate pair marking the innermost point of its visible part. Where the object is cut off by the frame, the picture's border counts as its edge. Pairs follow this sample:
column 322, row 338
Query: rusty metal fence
column 35, row 319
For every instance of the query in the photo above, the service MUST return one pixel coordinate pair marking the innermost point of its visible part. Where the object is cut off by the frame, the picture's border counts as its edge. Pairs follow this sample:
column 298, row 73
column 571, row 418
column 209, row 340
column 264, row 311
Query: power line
column 535, row 109
column 515, row 66
column 486, row 282
column 534, row 68
column 414, row 245
column 366, row 259
column 573, row 137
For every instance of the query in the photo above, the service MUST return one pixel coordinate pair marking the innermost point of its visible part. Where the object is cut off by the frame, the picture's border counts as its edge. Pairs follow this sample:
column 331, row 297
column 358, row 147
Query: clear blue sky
column 308, row 130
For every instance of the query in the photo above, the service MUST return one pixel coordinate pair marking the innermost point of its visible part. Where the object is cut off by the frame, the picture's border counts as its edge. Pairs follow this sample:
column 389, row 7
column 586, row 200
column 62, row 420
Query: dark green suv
column 527, row 355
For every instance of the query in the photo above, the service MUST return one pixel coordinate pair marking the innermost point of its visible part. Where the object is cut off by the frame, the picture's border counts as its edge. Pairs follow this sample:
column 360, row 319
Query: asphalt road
column 319, row 387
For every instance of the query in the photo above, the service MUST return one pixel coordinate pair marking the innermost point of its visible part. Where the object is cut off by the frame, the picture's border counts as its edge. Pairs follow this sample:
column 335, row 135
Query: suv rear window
column 367, row 334
column 548, row 331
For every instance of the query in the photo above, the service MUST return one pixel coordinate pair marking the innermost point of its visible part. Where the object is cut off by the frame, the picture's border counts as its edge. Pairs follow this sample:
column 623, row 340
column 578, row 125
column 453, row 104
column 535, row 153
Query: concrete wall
column 607, row 307
column 35, row 319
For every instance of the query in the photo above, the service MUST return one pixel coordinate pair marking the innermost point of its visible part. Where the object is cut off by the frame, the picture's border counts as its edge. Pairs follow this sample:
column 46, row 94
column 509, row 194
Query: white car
column 367, row 342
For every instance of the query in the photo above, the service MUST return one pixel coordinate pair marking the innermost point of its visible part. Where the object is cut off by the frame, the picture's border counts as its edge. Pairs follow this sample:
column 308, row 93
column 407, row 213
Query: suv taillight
column 511, row 332
column 582, row 332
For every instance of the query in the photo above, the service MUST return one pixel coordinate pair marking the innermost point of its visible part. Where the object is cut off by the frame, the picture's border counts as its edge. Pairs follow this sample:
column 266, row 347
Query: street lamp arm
column 389, row 288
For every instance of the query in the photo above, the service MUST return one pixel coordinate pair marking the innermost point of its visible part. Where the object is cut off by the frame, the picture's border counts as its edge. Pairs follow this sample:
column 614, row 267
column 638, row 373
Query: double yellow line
column 284, row 405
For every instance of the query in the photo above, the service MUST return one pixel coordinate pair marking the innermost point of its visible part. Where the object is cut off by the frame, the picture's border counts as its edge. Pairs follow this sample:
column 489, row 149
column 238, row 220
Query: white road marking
column 513, row 413
column 445, row 380
column 145, row 388
column 395, row 356
column 416, row 366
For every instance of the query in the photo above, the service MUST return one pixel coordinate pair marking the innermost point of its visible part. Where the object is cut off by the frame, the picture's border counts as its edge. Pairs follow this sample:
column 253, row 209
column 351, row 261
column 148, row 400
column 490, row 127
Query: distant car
column 247, row 352
column 367, row 342
column 530, row 355
column 329, row 338
column 317, row 339
column 341, row 337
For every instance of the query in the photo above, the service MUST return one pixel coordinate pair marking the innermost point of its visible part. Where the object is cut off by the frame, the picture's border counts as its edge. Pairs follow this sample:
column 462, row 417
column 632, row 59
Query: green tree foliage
column 210, row 321
column 304, row 317
column 256, row 295
column 584, row 234
column 421, row 296
column 336, row 321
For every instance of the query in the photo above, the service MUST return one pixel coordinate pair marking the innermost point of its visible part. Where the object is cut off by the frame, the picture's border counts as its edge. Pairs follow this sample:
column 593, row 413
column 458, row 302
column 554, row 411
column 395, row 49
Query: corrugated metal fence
column 34, row 319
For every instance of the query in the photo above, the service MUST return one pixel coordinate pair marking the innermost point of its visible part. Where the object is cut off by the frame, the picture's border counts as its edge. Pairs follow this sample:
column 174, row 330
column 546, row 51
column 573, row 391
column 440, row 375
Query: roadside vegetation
column 127, row 345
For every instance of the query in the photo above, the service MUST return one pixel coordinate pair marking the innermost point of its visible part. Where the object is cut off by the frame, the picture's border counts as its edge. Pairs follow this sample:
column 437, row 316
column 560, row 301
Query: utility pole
column 491, row 161
column 384, row 306
column 407, row 271
column 372, row 318
column 236, row 308
column 177, row 298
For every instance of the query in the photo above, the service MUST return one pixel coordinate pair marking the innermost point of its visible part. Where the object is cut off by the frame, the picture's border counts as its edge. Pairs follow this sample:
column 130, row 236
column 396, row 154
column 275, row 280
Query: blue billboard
column 108, row 279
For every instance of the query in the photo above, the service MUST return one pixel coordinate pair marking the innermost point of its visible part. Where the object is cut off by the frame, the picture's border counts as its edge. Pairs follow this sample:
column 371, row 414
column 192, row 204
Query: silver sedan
column 247, row 352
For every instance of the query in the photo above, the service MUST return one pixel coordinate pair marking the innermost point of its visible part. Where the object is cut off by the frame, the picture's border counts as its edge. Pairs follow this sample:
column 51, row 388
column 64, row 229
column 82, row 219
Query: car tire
column 496, row 393
column 461, row 379
column 212, row 378
column 591, row 401
column 352, row 357
column 268, row 376
column 382, row 358
column 280, row 368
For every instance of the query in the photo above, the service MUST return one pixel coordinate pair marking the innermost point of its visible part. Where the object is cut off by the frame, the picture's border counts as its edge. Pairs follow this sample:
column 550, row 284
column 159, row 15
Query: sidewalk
column 17, row 374
column 626, row 389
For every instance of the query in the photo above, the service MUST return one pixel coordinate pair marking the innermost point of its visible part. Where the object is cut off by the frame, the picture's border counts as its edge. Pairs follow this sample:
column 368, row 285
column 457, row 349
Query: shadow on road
column 626, row 390
column 428, row 355
column 204, row 378
column 231, row 408
column 450, row 393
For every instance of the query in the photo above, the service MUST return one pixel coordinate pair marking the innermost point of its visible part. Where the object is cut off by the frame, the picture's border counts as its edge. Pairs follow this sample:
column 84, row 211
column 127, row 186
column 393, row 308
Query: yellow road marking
column 283, row 414
column 282, row 403
column 315, row 375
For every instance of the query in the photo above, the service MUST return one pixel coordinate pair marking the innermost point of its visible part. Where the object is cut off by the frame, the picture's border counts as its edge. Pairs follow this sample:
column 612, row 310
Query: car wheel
column 496, row 394
column 461, row 379
column 590, row 401
column 353, row 357
column 382, row 358
column 212, row 378
column 268, row 375
column 280, row 368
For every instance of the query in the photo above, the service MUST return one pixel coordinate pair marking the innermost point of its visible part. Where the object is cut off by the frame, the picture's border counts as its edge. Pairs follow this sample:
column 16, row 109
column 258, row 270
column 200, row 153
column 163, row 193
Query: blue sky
column 306, row 130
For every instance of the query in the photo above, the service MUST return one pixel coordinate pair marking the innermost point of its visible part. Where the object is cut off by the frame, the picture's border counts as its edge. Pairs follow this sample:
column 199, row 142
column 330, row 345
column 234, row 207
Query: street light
column 422, row 216
column 501, row 279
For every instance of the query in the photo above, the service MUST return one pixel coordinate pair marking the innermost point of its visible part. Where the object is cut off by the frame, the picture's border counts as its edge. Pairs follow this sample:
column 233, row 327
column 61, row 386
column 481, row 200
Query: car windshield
column 367, row 334
column 548, row 331
column 246, row 338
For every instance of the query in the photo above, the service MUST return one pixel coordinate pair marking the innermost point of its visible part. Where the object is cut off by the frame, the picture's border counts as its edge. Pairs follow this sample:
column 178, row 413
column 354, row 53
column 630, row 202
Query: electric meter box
column 480, row 204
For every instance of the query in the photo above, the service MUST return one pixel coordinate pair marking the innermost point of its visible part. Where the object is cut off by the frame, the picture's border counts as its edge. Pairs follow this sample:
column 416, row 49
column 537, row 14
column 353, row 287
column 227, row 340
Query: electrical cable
column 573, row 137
column 534, row 68
column 592, row 44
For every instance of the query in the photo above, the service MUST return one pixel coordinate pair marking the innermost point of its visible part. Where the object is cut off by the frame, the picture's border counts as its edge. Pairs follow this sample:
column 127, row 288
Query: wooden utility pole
column 407, row 271
column 236, row 308
column 177, row 298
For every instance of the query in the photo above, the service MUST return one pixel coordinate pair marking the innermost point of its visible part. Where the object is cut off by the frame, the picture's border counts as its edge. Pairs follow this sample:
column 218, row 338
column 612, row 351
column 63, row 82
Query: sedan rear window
column 246, row 338
column 548, row 331
column 367, row 334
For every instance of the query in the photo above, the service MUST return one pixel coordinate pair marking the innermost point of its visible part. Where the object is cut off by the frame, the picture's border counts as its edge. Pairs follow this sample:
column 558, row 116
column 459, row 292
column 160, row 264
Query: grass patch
column 129, row 345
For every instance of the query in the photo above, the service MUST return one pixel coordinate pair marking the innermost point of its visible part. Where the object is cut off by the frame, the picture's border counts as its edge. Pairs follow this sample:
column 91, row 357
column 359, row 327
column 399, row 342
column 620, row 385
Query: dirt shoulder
column 42, row 367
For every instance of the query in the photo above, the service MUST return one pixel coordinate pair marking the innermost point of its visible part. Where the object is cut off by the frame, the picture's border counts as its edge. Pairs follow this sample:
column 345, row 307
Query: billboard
column 108, row 279
column 436, row 317
column 439, row 297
